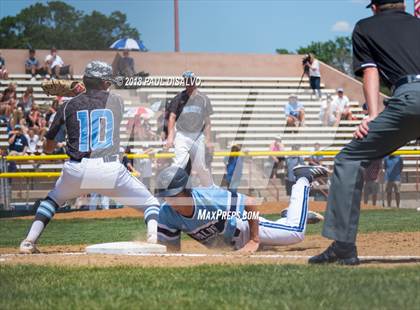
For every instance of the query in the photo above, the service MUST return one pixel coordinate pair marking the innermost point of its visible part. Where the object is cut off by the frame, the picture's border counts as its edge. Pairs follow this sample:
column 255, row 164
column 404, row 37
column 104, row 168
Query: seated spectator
column 17, row 118
column 3, row 71
column 55, row 67
column 32, row 66
column 18, row 143
column 4, row 114
column 234, row 169
column 277, row 161
column 26, row 101
column 294, row 111
column 316, row 160
column 33, row 116
column 327, row 114
column 393, row 166
column 342, row 106
column 125, row 65
column 33, row 140
column 9, row 95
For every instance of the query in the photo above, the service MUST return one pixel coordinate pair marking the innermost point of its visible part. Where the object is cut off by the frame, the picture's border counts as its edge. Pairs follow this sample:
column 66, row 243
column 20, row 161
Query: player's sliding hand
column 363, row 129
column 250, row 247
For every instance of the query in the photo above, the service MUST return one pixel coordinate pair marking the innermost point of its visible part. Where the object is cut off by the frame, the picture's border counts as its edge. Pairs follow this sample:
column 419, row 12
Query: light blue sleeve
column 287, row 109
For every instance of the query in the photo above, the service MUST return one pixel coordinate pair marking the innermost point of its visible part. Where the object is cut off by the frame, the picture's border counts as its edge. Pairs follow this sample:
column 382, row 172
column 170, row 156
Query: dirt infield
column 265, row 208
column 384, row 245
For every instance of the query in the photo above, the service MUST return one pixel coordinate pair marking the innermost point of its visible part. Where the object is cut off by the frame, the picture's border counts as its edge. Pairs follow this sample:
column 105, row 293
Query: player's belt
column 106, row 159
column 407, row 80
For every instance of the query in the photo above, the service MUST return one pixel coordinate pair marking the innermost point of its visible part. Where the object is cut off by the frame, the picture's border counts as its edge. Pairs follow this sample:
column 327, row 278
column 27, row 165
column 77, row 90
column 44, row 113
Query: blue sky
column 245, row 26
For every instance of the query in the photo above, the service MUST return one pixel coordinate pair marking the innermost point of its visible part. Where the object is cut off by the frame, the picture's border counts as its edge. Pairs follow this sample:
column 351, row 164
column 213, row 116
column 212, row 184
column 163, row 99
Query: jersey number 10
column 96, row 130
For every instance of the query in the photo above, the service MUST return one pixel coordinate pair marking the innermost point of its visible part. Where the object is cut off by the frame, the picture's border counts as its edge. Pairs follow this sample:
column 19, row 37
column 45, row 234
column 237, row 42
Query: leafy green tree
column 59, row 24
column 337, row 53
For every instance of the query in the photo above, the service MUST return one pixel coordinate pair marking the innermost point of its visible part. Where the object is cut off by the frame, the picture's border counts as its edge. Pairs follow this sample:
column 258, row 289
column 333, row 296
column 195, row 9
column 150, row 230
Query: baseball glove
column 63, row 88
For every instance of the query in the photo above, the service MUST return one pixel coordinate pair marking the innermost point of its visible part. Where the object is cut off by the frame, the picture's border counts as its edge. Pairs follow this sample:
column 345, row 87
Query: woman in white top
column 314, row 75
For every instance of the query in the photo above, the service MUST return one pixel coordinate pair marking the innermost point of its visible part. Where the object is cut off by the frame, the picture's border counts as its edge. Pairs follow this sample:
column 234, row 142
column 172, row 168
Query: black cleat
column 338, row 252
column 310, row 172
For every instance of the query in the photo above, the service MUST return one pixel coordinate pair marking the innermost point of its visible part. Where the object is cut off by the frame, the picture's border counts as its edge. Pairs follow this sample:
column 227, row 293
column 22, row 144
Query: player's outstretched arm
column 254, row 239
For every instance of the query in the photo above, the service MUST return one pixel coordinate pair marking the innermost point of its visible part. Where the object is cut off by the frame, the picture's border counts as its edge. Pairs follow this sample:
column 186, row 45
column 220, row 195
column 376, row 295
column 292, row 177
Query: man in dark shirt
column 18, row 143
column 189, row 128
column 92, row 122
column 385, row 46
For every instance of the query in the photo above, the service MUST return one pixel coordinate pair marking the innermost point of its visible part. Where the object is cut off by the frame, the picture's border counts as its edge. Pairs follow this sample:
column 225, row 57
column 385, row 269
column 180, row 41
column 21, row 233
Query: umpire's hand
column 363, row 129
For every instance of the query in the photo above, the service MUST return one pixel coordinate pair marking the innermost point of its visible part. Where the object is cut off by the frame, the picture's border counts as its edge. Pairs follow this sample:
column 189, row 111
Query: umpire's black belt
column 106, row 159
column 406, row 80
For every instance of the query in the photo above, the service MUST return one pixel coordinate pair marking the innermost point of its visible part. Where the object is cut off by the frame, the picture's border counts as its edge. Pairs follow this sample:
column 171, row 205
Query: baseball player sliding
column 93, row 121
column 217, row 217
column 189, row 128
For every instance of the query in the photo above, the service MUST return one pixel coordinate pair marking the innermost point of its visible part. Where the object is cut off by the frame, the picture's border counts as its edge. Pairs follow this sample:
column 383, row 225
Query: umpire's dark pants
column 398, row 124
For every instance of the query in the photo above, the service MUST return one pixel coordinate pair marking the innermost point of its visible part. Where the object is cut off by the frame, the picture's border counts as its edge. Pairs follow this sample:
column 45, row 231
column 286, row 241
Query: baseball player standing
column 385, row 46
column 216, row 217
column 189, row 128
column 93, row 121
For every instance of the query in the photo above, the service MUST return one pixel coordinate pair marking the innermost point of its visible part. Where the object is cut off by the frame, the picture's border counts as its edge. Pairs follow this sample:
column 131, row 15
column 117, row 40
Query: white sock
column 36, row 230
column 152, row 225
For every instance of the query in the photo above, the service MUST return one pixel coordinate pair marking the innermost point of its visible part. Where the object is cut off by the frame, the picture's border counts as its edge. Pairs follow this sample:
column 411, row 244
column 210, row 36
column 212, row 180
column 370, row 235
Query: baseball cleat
column 310, row 172
column 313, row 217
column 28, row 247
column 337, row 253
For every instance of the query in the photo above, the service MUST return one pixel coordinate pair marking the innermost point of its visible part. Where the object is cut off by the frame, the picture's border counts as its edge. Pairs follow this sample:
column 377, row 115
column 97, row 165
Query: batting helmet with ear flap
column 171, row 181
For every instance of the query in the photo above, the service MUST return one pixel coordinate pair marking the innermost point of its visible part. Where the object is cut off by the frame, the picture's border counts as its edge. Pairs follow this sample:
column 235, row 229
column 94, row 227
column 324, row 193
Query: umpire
column 385, row 46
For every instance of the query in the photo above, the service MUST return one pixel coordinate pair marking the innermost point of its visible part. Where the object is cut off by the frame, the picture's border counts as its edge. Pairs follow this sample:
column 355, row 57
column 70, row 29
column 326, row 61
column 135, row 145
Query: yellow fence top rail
column 216, row 154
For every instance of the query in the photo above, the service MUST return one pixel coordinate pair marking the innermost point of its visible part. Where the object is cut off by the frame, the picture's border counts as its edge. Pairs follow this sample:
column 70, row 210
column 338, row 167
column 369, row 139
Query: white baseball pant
column 111, row 179
column 285, row 231
column 192, row 145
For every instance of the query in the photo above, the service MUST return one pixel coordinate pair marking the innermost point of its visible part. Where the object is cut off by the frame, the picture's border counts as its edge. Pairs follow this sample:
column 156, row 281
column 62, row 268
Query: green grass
column 87, row 231
column 209, row 287
column 77, row 231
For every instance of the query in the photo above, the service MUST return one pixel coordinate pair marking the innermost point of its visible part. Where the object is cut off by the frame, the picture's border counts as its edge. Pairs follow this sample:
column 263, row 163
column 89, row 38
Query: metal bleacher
column 247, row 110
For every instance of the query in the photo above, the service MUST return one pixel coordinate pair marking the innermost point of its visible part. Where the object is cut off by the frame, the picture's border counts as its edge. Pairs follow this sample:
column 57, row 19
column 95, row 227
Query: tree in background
column 337, row 53
column 61, row 25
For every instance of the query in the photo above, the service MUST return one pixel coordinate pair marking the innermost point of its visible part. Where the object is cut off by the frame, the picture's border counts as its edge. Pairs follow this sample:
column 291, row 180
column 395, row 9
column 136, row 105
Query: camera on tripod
column 306, row 62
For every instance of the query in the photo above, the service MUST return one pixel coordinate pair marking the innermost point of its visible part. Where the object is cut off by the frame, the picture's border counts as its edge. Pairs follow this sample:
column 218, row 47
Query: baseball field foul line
column 257, row 256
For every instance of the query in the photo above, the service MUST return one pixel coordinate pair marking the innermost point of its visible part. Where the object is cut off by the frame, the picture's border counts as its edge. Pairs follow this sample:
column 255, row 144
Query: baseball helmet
column 171, row 181
column 99, row 70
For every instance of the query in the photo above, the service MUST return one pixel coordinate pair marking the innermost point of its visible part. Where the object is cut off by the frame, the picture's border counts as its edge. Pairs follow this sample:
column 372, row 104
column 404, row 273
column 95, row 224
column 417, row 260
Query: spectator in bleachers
column 18, row 143
column 234, row 169
column 125, row 66
column 32, row 66
column 18, row 118
column 9, row 96
column 365, row 109
column 33, row 141
column 342, row 105
column 277, row 161
column 55, row 66
column 4, row 114
column 26, row 101
column 33, row 116
column 295, row 113
column 316, row 160
column 3, row 71
column 314, row 75
column 393, row 166
column 371, row 178
column 328, row 115
column 292, row 162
